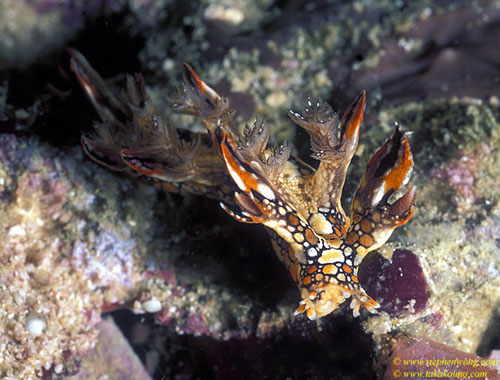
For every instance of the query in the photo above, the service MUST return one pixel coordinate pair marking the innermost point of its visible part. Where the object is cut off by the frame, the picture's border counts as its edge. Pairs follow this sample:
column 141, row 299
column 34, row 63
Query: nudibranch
column 321, row 246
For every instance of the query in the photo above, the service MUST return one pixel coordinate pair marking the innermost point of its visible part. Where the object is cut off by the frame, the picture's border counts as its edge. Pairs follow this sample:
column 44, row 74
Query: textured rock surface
column 33, row 28
column 456, row 148
column 60, row 260
column 112, row 358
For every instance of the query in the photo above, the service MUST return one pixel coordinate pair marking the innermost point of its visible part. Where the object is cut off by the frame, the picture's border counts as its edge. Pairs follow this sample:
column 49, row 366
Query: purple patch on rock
column 399, row 286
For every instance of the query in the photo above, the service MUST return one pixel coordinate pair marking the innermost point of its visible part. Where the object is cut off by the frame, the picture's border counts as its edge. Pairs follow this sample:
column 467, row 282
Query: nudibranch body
column 320, row 245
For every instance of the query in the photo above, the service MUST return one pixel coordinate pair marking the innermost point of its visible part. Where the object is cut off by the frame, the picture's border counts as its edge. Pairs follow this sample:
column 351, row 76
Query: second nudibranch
column 319, row 244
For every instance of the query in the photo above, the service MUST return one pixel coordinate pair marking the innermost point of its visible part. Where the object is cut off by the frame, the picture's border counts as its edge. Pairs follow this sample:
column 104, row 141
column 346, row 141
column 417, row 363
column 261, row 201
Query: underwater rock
column 34, row 28
column 436, row 56
column 452, row 233
column 111, row 358
column 423, row 358
column 495, row 355
column 61, row 259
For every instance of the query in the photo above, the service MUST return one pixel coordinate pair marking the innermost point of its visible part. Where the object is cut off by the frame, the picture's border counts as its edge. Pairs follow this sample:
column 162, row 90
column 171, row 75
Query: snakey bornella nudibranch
column 320, row 245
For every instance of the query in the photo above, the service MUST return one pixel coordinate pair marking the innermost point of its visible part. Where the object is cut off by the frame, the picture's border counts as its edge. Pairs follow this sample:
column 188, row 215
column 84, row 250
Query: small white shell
column 36, row 324
column 152, row 305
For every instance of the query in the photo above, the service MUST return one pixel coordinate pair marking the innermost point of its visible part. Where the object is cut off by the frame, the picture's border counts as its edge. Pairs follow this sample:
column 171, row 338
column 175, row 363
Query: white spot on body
column 312, row 252
column 237, row 179
column 265, row 191
column 378, row 195
column 407, row 177
column 357, row 260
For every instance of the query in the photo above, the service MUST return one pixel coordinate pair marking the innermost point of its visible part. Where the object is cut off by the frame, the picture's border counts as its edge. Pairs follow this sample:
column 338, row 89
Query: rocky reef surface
column 196, row 294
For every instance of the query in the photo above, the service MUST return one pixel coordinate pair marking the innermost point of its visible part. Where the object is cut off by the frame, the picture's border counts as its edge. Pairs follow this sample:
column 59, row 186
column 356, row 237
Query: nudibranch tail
column 152, row 164
column 132, row 136
column 97, row 91
column 105, row 156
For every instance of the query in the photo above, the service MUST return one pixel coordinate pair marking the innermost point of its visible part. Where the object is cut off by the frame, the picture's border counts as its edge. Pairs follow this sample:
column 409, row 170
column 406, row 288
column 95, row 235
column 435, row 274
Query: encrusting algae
column 61, row 261
column 319, row 244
